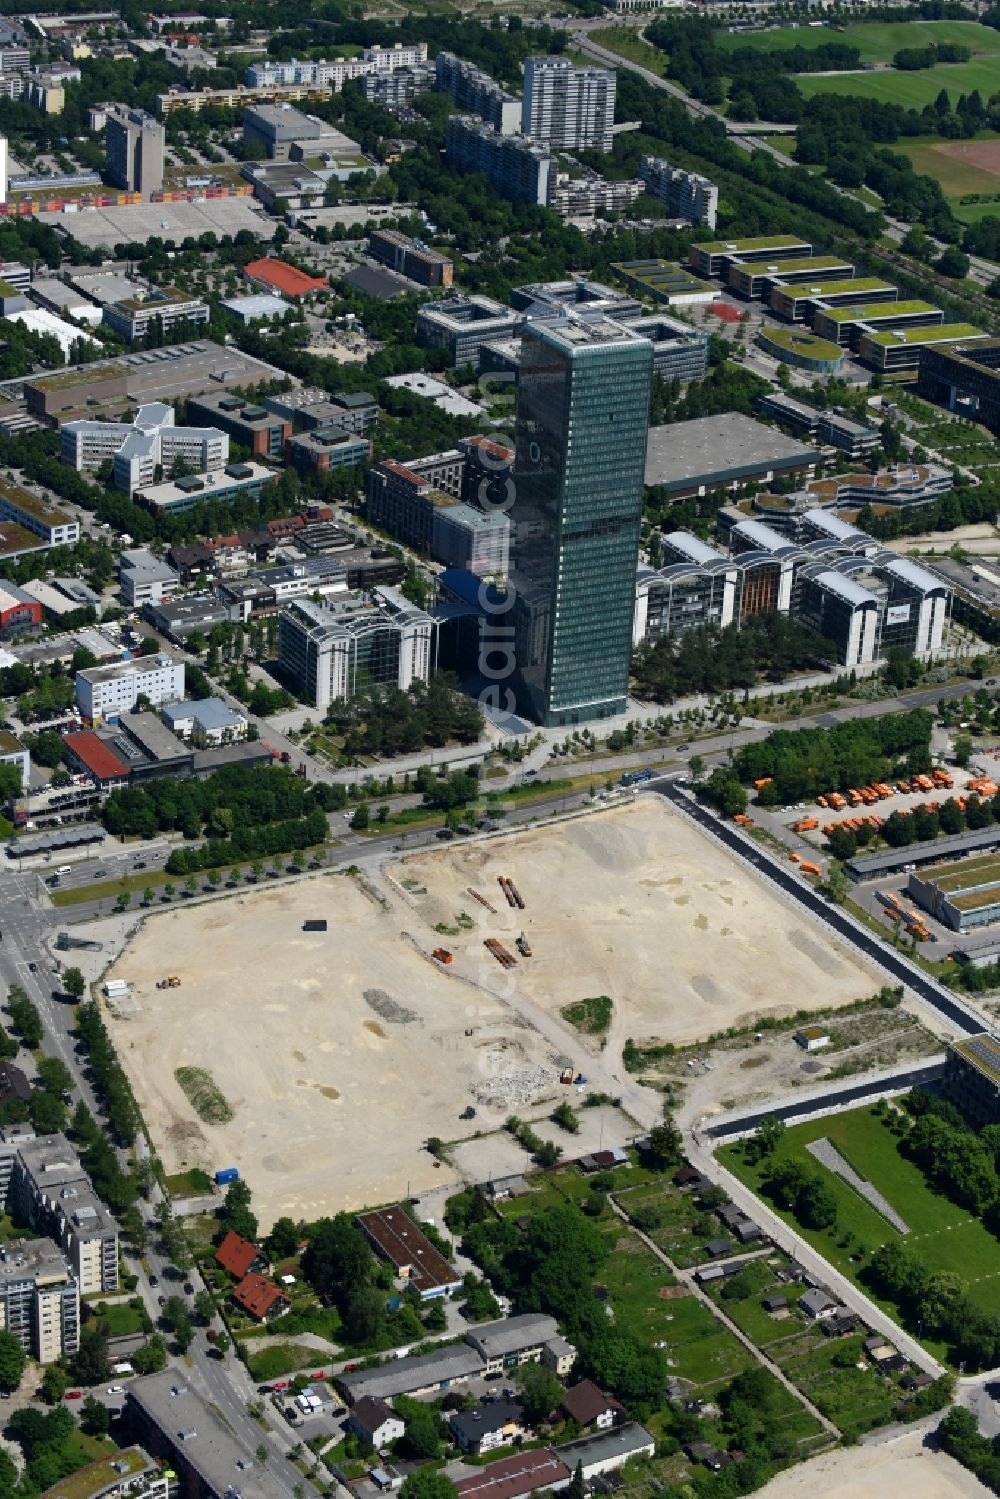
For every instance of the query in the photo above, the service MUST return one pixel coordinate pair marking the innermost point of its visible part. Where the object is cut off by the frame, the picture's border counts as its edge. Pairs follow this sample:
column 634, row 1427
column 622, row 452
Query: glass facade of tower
column 582, row 417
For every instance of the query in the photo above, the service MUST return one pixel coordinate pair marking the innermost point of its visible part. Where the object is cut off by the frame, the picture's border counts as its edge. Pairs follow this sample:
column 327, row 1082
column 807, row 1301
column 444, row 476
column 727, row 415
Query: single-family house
column 239, row 1256
column 817, row 1303
column 493, row 1423
column 261, row 1298
column 587, row 1405
column 374, row 1421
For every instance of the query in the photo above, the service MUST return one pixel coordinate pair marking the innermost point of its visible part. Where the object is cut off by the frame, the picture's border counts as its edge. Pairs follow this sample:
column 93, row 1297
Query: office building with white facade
column 330, row 649
column 566, row 107
column 108, row 691
column 698, row 586
column 687, row 194
column 158, row 308
column 38, row 516
column 138, row 448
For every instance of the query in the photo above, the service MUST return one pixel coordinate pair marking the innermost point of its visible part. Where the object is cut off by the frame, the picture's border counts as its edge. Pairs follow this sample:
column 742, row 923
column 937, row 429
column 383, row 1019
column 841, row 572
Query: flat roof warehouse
column 399, row 1240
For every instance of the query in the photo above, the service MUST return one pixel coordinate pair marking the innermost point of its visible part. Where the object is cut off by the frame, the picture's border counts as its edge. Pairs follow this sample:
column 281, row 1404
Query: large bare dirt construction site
column 883, row 1468
column 638, row 904
column 331, row 1057
column 339, row 1053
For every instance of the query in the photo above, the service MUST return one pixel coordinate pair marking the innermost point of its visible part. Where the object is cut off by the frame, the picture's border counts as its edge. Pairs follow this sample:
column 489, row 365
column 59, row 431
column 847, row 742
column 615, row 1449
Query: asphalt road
column 29, row 926
column 840, row 1097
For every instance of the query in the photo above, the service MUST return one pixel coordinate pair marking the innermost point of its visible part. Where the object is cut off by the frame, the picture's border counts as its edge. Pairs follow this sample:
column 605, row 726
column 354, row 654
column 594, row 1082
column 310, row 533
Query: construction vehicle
column 821, row 801
column 809, row 868
column 523, row 946
column 795, row 858
column 762, row 782
column 566, row 1076
column 805, row 824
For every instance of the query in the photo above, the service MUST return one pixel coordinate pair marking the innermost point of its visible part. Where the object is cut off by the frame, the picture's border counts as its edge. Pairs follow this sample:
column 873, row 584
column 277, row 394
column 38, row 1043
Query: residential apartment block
column 39, row 1299
column 518, row 167
column 42, row 1180
column 373, row 62
column 397, row 91
column 107, row 691
column 567, row 107
column 139, row 448
column 475, row 92
column 687, row 194
column 135, row 149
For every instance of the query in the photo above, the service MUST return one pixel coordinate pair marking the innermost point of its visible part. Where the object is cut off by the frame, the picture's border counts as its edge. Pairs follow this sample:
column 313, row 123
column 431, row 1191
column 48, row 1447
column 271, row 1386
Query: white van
column 64, row 869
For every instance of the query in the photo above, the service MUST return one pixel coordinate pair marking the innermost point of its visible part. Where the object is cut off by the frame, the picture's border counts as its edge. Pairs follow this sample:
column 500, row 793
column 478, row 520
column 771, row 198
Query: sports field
column 959, row 166
column 876, row 41
column 971, row 213
column 912, row 90
column 949, row 1238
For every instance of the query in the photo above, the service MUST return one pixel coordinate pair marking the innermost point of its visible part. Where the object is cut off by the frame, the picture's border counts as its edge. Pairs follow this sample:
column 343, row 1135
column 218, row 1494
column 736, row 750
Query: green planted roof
column 797, row 340
column 862, row 311
column 762, row 242
column 943, row 333
column 834, row 288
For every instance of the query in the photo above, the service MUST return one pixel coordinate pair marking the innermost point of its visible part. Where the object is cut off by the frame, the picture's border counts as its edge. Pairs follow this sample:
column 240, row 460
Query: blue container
column 227, row 1175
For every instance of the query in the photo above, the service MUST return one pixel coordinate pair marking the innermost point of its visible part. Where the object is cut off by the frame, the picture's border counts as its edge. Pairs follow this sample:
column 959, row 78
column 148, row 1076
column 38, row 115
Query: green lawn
column 947, row 162
column 855, row 1400
column 947, row 1237
column 119, row 1319
column 624, row 41
column 193, row 1183
column 281, row 1359
column 912, row 90
column 971, row 213
column 699, row 1348
column 877, row 41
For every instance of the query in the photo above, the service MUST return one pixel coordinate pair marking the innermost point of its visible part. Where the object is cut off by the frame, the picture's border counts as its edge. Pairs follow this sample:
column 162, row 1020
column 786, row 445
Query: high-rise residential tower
column 567, row 107
column 582, row 418
column 134, row 146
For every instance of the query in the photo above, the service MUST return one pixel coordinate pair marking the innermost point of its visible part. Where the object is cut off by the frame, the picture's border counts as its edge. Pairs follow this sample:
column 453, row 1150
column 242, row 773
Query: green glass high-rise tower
column 582, row 418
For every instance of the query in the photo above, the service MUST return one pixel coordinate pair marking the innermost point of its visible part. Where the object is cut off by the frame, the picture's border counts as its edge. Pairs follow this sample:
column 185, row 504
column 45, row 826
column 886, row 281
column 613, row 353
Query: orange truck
column 805, row 824
column 808, row 868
